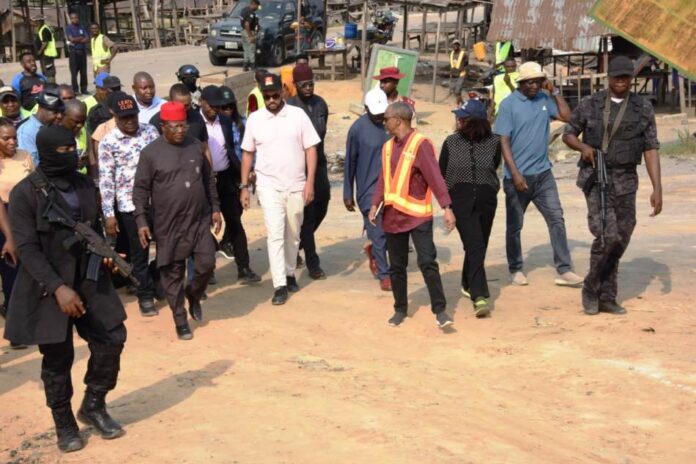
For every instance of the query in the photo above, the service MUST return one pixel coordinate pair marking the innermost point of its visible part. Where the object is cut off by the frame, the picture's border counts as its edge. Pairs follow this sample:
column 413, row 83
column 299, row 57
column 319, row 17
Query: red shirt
column 425, row 173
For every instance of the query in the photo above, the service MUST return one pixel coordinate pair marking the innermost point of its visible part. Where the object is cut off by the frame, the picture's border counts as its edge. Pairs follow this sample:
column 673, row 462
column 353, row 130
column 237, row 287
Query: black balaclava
column 60, row 168
column 190, row 83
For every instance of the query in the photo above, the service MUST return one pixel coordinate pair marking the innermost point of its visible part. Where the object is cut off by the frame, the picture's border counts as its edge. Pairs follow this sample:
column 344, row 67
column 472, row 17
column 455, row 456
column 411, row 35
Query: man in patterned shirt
column 119, row 153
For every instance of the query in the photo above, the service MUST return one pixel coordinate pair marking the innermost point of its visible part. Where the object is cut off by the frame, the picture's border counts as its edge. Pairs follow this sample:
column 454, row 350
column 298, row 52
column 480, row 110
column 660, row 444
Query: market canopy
column 665, row 29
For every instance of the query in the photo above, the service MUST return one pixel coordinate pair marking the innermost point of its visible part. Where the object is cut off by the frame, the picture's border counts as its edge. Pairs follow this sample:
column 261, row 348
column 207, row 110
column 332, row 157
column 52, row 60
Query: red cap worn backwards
column 173, row 111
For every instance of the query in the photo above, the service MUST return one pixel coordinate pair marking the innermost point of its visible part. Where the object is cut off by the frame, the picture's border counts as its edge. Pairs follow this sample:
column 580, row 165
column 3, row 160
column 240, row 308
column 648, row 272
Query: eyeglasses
column 273, row 96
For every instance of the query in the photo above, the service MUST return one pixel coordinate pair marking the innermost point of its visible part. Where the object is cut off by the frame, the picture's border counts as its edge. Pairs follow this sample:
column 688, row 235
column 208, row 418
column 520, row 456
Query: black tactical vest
column 628, row 144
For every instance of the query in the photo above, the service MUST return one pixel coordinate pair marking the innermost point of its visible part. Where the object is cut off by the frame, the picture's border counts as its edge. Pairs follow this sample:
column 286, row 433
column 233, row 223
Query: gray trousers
column 249, row 48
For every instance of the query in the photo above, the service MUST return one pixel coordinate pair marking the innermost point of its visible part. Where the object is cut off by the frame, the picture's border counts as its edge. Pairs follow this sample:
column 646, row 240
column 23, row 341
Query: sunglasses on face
column 273, row 96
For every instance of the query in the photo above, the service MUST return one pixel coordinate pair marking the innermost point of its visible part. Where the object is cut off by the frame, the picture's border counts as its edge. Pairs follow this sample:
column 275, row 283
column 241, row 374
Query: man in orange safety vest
column 410, row 177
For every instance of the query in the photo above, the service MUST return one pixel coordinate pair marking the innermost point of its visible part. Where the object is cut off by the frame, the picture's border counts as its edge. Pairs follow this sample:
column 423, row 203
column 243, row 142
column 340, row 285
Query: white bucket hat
column 531, row 70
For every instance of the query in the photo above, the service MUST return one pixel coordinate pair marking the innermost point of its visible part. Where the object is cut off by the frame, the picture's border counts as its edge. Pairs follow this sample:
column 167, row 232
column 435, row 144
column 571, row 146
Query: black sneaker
column 397, row 319
column 317, row 274
column 300, row 262
column 184, row 332
column 611, row 307
column 147, row 308
column 227, row 251
column 280, row 296
column 247, row 276
column 292, row 284
column 444, row 320
column 195, row 309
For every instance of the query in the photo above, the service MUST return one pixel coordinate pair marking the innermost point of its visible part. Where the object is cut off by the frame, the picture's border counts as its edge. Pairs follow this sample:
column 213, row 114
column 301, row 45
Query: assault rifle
column 602, row 187
column 91, row 240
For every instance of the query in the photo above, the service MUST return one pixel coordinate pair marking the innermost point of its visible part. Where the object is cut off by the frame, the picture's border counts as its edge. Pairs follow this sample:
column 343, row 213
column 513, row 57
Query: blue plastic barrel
column 350, row 31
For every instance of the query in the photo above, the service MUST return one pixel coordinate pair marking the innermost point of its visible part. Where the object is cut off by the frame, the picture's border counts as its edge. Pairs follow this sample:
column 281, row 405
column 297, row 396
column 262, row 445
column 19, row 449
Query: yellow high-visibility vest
column 100, row 52
column 396, row 187
column 256, row 92
column 502, row 50
column 501, row 89
column 50, row 51
column 457, row 63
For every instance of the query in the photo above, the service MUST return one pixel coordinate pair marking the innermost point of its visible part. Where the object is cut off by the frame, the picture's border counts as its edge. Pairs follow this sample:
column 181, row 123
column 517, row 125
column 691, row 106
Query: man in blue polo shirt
column 523, row 126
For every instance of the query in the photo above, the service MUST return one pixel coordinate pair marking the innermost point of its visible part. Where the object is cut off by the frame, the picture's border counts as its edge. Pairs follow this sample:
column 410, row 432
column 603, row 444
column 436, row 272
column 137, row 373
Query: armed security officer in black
column 622, row 125
column 53, row 293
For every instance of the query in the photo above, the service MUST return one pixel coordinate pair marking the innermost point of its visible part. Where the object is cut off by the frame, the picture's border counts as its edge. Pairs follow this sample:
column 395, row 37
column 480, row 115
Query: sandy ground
column 324, row 379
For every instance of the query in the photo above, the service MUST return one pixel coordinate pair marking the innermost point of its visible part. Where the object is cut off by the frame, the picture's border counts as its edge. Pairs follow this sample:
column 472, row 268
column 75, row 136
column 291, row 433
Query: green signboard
column 383, row 56
column 665, row 29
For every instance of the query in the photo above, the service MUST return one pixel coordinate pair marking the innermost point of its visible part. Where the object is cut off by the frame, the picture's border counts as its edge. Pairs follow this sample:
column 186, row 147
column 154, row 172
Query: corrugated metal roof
column 560, row 24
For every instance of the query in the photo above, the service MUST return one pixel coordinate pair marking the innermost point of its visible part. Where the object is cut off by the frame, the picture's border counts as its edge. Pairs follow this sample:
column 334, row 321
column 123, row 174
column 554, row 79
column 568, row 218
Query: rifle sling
column 606, row 139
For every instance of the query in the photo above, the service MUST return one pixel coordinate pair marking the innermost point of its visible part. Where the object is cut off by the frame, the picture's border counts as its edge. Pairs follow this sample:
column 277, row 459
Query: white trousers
column 283, row 213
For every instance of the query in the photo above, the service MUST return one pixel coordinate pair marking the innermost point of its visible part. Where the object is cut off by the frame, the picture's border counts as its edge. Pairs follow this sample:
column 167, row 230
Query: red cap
column 389, row 73
column 173, row 111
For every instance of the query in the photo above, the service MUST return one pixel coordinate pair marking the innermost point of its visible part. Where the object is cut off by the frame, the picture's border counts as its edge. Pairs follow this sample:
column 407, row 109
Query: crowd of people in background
column 140, row 169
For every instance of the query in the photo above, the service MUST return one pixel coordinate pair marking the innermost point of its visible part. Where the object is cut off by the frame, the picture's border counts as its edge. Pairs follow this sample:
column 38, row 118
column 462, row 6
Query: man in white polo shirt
column 284, row 140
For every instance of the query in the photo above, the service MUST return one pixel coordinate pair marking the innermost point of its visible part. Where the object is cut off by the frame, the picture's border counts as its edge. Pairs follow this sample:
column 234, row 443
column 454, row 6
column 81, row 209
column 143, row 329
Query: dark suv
column 276, row 38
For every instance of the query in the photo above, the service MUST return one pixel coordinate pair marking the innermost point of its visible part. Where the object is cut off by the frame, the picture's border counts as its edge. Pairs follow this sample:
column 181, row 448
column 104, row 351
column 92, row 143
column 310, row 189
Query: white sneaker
column 569, row 279
column 518, row 278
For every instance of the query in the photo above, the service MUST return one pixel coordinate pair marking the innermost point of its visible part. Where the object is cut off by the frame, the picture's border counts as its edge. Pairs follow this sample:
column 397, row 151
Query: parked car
column 276, row 39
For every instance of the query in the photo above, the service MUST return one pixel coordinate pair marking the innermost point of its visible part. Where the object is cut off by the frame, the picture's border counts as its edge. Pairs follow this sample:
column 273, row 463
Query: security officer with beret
column 624, row 146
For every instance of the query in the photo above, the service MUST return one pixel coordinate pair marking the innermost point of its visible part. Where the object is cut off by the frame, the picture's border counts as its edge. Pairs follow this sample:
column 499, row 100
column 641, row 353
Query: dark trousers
column 7, row 273
column 314, row 214
column 138, row 256
column 105, row 349
column 231, row 209
column 543, row 192
column 78, row 64
column 48, row 68
column 173, row 274
column 397, row 245
column 601, row 280
column 474, row 225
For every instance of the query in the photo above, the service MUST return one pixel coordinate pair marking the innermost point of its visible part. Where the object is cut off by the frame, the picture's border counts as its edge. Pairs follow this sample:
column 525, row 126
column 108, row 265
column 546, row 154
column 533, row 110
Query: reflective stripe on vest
column 396, row 188
column 99, row 52
column 50, row 51
column 260, row 103
column 456, row 64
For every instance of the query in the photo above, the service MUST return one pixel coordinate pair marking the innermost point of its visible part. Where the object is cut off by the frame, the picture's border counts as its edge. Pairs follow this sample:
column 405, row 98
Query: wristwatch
column 242, row 186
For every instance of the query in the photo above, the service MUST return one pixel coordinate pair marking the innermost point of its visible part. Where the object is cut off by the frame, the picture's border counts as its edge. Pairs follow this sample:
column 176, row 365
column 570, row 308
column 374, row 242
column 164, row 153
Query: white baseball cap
column 376, row 101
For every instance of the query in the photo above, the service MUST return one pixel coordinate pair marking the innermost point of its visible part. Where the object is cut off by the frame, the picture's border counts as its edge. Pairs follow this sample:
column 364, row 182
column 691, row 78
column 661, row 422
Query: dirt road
column 324, row 379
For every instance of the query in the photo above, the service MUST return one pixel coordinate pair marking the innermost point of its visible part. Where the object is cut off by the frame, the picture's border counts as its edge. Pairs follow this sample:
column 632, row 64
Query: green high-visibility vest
column 99, row 52
column 50, row 51
column 501, row 89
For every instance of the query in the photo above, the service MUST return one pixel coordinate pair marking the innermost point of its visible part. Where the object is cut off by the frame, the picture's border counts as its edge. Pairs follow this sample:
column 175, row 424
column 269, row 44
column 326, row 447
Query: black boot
column 93, row 412
column 67, row 432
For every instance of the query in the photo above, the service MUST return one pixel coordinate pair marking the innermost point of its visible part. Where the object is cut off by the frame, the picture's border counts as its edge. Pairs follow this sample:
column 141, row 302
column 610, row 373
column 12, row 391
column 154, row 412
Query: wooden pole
column 298, row 33
column 175, row 22
column 155, row 23
column 437, row 50
column 424, row 34
column 14, row 35
column 404, row 39
column 682, row 97
column 363, row 47
column 136, row 25
column 118, row 27
column 97, row 19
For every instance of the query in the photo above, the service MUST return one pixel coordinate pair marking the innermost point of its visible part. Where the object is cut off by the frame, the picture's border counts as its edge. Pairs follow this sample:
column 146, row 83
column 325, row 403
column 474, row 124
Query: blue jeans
column 379, row 245
column 542, row 191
